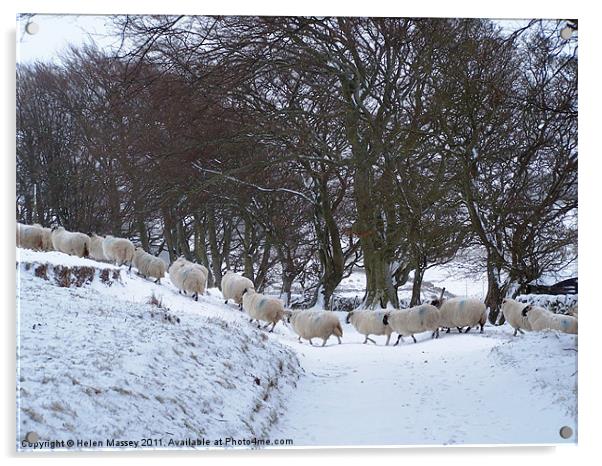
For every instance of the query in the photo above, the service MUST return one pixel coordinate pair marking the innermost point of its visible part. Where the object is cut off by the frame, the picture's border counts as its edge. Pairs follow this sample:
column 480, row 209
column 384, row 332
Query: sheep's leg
column 515, row 330
column 414, row 338
column 226, row 301
column 467, row 330
column 339, row 338
column 240, row 307
column 299, row 339
column 273, row 325
column 398, row 338
column 370, row 339
column 310, row 342
column 324, row 341
column 196, row 296
column 388, row 338
column 459, row 329
column 250, row 321
column 482, row 326
column 448, row 330
column 130, row 269
column 521, row 331
column 158, row 281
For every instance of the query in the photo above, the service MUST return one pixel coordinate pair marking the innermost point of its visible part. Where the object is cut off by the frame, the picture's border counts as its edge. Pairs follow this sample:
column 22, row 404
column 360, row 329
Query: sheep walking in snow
column 310, row 324
column 118, row 250
column 233, row 287
column 513, row 313
column 417, row 319
column 96, row 250
column 262, row 308
column 188, row 277
column 73, row 243
column 149, row 265
column 30, row 237
column 462, row 312
column 46, row 237
column 369, row 323
column 542, row 319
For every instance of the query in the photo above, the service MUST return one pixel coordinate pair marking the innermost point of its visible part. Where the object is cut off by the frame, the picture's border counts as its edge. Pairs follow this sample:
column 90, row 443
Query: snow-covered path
column 466, row 389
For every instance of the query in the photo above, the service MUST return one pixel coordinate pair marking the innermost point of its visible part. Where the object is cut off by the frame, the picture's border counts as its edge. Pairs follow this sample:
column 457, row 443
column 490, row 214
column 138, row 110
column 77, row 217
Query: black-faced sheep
column 513, row 313
column 462, row 312
column 417, row 319
column 309, row 324
column 369, row 323
column 149, row 265
column 233, row 286
column 187, row 277
column 542, row 319
column 118, row 250
column 262, row 308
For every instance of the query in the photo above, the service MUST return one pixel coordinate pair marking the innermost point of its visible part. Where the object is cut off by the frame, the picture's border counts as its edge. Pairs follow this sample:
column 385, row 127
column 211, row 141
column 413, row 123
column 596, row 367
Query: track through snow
column 458, row 389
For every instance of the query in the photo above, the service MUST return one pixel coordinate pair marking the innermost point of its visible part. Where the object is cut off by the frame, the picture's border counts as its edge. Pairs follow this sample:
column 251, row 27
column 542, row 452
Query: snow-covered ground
column 458, row 389
column 99, row 361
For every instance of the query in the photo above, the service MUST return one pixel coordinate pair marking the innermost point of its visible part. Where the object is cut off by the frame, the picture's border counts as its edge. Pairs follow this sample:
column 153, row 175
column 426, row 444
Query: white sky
column 57, row 32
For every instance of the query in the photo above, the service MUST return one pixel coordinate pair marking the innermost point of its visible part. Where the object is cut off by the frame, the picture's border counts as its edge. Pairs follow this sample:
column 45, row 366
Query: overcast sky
column 57, row 32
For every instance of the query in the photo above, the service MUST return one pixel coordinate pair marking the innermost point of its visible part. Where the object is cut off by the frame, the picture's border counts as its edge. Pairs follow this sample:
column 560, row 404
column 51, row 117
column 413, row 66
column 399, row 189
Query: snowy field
column 101, row 361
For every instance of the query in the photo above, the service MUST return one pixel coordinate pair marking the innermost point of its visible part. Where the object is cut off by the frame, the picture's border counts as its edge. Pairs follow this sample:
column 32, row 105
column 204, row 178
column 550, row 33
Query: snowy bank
column 94, row 364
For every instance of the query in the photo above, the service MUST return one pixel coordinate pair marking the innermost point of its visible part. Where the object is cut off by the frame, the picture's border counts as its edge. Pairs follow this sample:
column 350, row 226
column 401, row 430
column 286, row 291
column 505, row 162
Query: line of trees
column 310, row 146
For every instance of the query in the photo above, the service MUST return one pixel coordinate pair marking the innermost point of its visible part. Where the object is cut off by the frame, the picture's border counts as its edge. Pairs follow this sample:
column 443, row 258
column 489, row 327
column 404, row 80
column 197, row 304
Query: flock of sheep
column 191, row 278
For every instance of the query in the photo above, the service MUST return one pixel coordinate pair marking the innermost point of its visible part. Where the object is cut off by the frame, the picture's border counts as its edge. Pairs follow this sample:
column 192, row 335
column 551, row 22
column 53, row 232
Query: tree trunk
column 142, row 232
column 262, row 270
column 200, row 248
column 167, row 233
column 417, row 285
column 379, row 286
column 183, row 244
column 216, row 257
column 249, row 250
column 114, row 209
column 496, row 292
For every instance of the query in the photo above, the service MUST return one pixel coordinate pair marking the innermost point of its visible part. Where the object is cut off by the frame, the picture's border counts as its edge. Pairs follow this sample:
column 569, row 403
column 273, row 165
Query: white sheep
column 462, row 312
column 46, row 237
column 30, row 237
column 513, row 313
column 118, row 250
column 149, row 265
column 262, row 308
column 417, row 319
column 369, row 323
column 187, row 277
column 309, row 324
column 73, row 243
column 96, row 249
column 542, row 319
column 233, row 287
